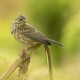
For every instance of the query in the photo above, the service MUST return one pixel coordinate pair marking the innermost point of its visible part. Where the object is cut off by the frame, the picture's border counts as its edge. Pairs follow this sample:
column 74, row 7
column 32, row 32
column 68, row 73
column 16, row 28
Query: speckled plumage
column 25, row 33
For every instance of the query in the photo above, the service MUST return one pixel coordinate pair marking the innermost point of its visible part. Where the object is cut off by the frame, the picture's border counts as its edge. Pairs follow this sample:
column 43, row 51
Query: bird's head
column 21, row 19
column 19, row 22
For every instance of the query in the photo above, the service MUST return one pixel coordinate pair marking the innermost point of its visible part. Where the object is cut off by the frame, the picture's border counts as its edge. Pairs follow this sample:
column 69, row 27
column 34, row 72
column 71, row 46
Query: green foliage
column 59, row 20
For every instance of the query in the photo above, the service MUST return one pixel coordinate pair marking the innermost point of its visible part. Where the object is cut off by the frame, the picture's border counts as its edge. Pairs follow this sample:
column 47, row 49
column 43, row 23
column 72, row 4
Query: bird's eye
column 20, row 19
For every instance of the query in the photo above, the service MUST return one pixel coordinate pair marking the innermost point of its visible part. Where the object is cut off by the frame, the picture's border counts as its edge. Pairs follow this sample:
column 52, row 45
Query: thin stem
column 11, row 69
column 24, row 55
column 14, row 65
column 49, row 61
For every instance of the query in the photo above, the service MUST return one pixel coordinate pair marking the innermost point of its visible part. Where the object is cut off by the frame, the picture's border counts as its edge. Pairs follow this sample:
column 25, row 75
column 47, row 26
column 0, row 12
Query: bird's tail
column 55, row 42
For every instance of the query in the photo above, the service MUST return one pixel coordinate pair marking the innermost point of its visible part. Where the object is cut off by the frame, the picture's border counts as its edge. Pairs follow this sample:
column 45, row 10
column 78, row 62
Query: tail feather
column 55, row 42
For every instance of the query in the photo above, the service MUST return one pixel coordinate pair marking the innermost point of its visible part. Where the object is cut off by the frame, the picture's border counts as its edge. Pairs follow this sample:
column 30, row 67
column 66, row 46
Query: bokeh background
column 59, row 20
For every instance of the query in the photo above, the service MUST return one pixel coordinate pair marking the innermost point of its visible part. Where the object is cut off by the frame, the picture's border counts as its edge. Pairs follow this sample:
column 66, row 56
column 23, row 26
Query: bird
column 28, row 35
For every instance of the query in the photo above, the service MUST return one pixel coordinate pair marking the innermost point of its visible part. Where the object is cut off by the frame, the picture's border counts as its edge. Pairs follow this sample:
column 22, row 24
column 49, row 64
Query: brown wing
column 33, row 34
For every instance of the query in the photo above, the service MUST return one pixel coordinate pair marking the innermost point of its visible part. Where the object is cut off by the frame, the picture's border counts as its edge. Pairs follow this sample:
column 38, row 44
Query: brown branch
column 21, row 58
column 21, row 62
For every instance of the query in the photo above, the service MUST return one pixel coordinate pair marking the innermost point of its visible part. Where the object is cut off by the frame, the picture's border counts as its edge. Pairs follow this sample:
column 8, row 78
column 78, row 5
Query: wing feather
column 33, row 34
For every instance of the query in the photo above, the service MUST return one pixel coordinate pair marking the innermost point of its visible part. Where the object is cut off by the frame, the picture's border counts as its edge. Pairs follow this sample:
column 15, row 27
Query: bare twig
column 21, row 62
column 11, row 69
column 21, row 58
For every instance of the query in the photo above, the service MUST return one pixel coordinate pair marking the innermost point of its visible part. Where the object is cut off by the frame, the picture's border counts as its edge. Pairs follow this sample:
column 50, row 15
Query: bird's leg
column 49, row 61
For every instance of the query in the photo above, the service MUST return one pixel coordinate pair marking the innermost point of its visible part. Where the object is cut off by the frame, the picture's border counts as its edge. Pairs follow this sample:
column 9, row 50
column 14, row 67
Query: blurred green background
column 59, row 20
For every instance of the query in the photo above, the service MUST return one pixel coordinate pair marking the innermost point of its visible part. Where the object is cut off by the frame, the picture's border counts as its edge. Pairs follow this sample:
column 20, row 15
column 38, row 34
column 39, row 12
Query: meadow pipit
column 25, row 33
